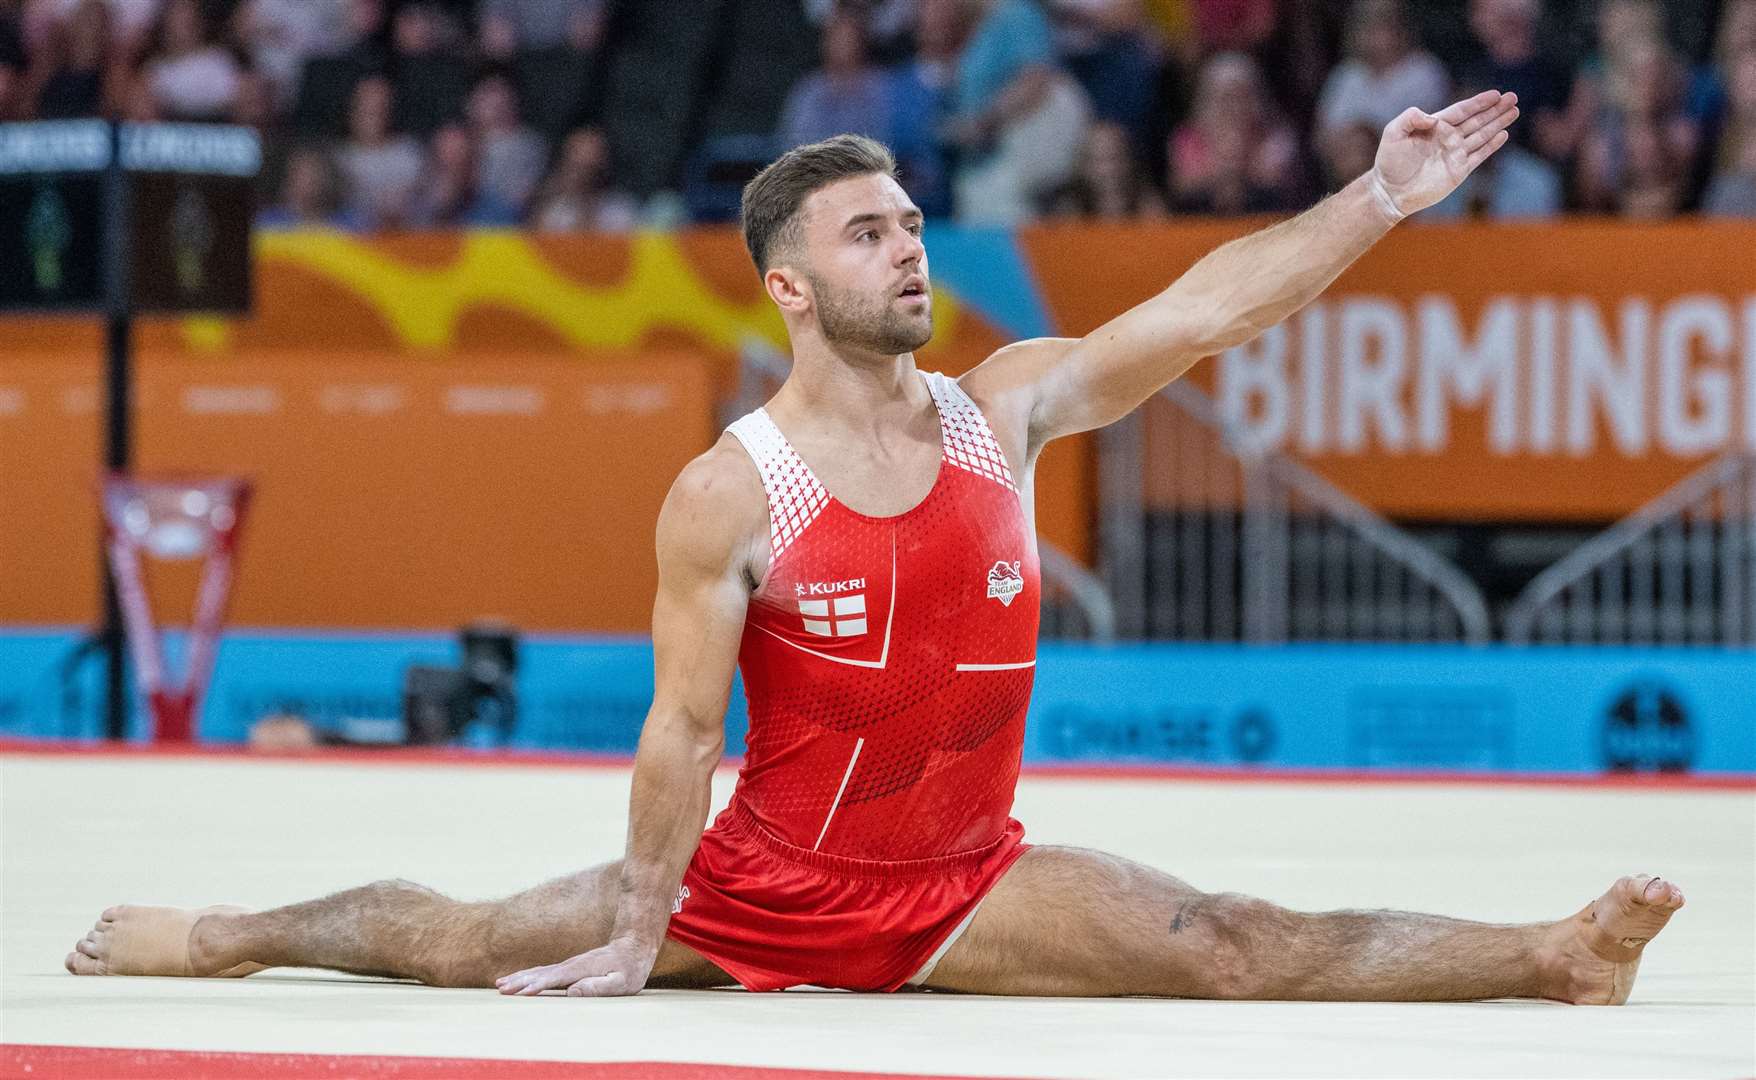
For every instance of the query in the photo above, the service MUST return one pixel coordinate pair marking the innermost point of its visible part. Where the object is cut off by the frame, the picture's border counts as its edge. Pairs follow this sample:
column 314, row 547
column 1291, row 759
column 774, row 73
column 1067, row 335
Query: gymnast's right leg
column 395, row 929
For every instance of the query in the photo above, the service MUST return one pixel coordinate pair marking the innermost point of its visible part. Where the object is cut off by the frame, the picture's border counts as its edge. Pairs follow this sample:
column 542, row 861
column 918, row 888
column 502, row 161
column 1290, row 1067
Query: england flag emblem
column 1005, row 582
column 840, row 616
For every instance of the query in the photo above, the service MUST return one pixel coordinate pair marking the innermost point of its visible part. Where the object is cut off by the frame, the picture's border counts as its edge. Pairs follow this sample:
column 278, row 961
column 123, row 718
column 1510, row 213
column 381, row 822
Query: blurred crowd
column 612, row 114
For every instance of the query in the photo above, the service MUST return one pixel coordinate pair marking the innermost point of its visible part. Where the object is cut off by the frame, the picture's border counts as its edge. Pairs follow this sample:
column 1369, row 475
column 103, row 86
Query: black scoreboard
column 53, row 222
column 120, row 220
column 130, row 218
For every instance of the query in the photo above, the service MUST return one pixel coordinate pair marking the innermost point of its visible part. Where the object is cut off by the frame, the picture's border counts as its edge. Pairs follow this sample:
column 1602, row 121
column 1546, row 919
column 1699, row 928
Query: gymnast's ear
column 789, row 289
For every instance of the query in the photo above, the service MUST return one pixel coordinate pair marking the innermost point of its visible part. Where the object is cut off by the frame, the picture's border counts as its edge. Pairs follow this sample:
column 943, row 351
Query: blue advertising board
column 1425, row 708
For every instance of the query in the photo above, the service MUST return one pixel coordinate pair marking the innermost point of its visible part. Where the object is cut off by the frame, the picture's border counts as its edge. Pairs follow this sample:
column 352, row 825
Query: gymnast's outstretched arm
column 1242, row 288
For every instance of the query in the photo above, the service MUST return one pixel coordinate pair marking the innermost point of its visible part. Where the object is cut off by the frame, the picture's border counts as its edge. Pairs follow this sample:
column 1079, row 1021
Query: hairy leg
column 1065, row 921
column 403, row 930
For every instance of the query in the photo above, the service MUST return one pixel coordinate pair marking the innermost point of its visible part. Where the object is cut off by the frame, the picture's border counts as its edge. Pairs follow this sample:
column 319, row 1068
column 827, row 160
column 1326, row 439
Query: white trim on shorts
column 921, row 976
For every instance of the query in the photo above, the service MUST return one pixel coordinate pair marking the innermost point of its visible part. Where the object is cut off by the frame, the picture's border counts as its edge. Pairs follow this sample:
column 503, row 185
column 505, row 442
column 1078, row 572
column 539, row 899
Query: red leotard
column 888, row 666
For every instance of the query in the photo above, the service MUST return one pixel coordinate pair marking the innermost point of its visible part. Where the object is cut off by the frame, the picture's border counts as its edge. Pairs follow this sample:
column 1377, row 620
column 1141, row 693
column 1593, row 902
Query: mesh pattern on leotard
column 795, row 497
column 969, row 442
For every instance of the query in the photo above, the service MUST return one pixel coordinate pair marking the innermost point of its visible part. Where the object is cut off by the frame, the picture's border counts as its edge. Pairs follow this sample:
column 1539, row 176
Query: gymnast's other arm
column 1055, row 387
column 713, row 527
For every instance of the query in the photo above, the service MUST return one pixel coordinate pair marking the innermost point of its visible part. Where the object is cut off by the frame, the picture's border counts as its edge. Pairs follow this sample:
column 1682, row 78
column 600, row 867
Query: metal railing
column 1076, row 604
column 1245, row 545
column 1681, row 570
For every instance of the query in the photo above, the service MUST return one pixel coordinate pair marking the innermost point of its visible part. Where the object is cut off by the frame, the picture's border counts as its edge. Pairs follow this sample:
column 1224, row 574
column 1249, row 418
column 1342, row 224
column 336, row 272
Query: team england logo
column 1005, row 582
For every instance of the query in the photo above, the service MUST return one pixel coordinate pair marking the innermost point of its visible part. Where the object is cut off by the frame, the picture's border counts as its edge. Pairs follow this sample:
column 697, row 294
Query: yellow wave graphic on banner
column 423, row 305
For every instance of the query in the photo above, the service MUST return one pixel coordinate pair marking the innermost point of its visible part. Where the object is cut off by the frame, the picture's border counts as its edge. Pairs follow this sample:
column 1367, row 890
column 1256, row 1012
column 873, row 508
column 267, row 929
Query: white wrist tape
column 1382, row 194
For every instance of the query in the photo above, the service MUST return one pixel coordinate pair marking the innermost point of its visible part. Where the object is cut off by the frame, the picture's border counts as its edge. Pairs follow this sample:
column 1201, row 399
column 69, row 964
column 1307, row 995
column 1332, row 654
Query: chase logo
column 1646, row 729
column 1005, row 582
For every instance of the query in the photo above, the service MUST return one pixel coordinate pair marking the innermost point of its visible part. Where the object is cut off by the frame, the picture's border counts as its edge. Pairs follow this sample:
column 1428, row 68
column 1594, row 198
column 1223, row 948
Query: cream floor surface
column 78, row 834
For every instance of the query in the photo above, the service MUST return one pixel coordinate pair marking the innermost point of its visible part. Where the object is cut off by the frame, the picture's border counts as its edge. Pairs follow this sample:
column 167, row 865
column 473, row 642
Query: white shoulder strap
column 795, row 497
column 969, row 442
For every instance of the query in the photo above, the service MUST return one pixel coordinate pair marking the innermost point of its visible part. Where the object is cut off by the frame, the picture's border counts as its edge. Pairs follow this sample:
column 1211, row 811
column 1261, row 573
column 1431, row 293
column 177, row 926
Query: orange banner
column 1475, row 373
column 388, row 494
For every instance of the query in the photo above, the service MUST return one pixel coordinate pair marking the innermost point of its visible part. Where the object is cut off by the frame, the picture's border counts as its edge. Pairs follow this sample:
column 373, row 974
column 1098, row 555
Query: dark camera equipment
column 440, row 704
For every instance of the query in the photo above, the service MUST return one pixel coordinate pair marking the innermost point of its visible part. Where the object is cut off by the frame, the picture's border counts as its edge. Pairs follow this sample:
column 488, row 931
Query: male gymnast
column 863, row 547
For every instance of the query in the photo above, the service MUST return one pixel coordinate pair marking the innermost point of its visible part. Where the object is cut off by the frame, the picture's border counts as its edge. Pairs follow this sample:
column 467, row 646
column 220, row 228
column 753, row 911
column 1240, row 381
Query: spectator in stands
column 577, row 195
column 1656, row 172
column 379, row 167
column 511, row 26
column 1232, row 105
column 310, row 194
column 1598, row 173
column 1200, row 28
column 421, row 29
column 256, row 103
column 847, row 94
column 925, row 84
column 449, row 193
column 1620, row 25
column 135, row 102
column 1385, row 72
column 512, row 155
column 188, row 73
column 279, row 35
column 76, row 70
column 1111, row 184
column 364, row 36
column 1737, row 33
column 1627, row 31
column 1653, row 84
column 886, row 25
column 1732, row 191
column 1709, row 94
column 13, row 63
column 433, row 66
column 1348, row 153
column 1638, row 151
column 1513, row 61
column 1017, row 120
column 131, row 21
column 1231, row 188
column 552, row 50
column 1104, row 45
column 1172, row 23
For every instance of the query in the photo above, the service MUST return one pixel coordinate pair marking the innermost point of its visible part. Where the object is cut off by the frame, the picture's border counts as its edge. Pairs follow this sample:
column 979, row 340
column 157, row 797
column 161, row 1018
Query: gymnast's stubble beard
column 871, row 324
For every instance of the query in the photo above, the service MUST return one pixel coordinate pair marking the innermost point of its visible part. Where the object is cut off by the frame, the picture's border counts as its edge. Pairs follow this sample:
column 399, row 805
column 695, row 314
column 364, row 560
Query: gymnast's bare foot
column 133, row 940
column 1591, row 958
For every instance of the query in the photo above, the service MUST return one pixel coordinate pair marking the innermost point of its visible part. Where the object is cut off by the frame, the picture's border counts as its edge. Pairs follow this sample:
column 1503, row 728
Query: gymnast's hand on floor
column 615, row 970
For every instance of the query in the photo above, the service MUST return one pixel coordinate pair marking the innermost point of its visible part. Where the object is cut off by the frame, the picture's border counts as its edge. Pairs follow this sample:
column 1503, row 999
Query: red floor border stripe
column 1045, row 770
column 103, row 1063
column 331, row 755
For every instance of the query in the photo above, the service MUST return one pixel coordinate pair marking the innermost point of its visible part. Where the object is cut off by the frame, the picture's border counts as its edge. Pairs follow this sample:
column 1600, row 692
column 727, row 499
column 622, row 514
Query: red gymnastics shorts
column 772, row 915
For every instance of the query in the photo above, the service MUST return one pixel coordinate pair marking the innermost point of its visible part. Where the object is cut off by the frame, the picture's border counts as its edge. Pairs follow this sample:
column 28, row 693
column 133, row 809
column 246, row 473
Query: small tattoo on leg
column 1184, row 916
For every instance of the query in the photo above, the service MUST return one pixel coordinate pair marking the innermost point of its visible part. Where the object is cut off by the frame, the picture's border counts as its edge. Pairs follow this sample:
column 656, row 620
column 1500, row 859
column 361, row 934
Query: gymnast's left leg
column 1071, row 922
